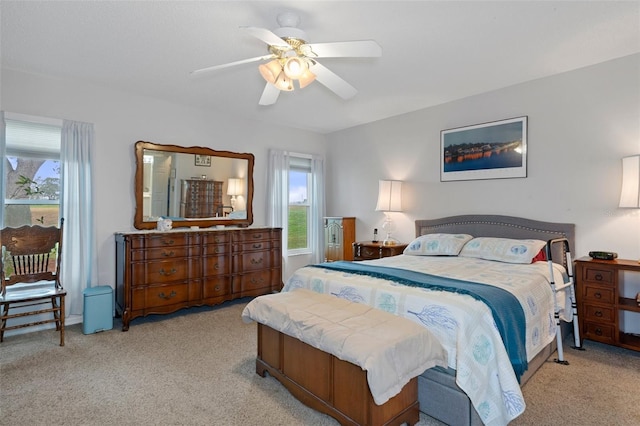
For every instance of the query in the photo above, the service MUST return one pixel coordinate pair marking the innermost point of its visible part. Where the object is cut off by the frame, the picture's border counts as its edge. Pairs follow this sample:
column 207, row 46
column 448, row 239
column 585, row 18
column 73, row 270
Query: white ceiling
column 433, row 51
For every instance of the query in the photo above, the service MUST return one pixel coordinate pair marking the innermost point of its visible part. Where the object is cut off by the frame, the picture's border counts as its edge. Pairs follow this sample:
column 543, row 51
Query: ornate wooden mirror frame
column 165, row 185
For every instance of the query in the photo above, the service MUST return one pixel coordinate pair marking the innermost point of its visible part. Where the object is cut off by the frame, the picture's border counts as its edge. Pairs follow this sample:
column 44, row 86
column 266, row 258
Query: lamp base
column 390, row 241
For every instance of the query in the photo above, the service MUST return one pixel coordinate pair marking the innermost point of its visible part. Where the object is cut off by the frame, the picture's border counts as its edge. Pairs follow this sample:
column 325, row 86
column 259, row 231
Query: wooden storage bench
column 330, row 385
column 349, row 360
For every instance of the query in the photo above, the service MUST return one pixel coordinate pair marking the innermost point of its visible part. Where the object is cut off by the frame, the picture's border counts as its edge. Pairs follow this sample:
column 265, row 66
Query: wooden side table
column 607, row 306
column 367, row 250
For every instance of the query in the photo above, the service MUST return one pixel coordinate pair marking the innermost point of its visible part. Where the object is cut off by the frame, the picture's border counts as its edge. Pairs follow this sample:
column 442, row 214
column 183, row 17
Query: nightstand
column 367, row 250
column 607, row 307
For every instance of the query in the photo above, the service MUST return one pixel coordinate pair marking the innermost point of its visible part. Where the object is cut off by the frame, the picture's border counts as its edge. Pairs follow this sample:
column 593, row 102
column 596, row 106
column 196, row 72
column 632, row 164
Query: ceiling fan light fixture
column 284, row 83
column 306, row 78
column 270, row 71
column 295, row 67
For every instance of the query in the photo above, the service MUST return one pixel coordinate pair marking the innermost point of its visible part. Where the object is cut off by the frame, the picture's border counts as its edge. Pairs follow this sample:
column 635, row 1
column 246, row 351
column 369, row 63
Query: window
column 31, row 172
column 299, row 214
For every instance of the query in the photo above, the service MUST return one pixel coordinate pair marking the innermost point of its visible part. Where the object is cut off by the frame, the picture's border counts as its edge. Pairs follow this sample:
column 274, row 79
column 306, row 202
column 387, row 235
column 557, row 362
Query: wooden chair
column 31, row 254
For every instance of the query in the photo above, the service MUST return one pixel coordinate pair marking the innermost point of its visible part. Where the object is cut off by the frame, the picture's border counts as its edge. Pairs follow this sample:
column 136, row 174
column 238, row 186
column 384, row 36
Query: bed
column 487, row 361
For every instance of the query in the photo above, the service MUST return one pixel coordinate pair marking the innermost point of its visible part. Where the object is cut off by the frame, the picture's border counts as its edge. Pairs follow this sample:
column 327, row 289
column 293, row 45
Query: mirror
column 193, row 186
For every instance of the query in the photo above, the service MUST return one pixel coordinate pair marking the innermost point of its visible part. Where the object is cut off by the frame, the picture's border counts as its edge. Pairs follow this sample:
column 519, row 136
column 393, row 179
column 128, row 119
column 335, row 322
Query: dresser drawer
column 215, row 287
column 600, row 314
column 168, row 252
column 593, row 293
column 252, row 261
column 216, row 265
column 157, row 296
column 253, row 281
column 256, row 245
column 215, row 237
column 162, row 240
column 255, row 235
column 601, row 332
column 599, row 275
column 210, row 249
column 156, row 272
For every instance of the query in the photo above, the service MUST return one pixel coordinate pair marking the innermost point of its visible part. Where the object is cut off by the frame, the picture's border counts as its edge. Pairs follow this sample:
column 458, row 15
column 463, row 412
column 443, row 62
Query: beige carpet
column 197, row 367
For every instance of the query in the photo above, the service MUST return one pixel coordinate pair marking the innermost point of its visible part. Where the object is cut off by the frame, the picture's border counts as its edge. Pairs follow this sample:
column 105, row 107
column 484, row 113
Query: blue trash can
column 98, row 309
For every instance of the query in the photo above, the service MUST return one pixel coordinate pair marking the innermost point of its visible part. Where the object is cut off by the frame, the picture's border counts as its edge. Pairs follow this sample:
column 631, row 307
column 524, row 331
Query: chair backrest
column 33, row 254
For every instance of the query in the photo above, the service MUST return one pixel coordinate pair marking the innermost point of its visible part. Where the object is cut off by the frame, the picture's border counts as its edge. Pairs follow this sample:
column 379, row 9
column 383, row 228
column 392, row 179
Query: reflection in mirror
column 193, row 186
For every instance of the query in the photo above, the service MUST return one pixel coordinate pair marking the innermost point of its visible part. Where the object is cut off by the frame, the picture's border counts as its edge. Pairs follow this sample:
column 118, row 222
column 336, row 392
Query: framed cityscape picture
column 495, row 150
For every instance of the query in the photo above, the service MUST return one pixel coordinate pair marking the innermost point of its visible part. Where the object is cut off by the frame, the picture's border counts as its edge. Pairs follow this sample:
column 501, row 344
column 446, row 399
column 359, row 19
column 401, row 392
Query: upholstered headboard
column 503, row 227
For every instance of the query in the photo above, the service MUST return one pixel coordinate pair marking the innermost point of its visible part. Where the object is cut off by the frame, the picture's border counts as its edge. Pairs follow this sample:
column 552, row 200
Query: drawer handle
column 599, row 277
column 167, row 242
column 165, row 297
column 217, row 288
column 598, row 313
column 217, row 239
column 254, row 281
column 256, row 236
column 165, row 273
column 165, row 254
column 216, row 266
column 598, row 295
column 598, row 331
column 257, row 246
column 256, row 262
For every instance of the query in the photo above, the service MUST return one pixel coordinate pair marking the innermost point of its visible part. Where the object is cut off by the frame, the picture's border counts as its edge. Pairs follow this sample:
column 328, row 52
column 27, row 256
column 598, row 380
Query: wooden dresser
column 200, row 198
column 162, row 272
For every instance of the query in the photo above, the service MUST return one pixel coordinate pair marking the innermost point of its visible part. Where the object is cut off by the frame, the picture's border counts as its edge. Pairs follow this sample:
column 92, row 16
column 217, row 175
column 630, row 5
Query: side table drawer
column 601, row 332
column 599, row 275
column 369, row 252
column 601, row 314
column 600, row 294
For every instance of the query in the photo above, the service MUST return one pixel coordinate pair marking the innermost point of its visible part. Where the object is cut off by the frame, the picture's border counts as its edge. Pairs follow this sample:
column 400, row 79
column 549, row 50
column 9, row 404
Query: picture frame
column 493, row 150
column 203, row 160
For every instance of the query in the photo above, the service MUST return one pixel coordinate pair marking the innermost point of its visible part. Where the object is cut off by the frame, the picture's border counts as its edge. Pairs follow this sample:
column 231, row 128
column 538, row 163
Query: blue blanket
column 505, row 307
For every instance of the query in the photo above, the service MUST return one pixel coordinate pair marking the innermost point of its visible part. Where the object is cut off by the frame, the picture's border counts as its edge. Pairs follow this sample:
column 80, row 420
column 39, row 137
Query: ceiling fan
column 291, row 58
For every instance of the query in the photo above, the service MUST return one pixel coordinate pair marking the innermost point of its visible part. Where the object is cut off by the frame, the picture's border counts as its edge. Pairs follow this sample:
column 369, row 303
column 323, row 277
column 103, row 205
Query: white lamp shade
column 630, row 193
column 294, row 67
column 270, row 71
column 284, row 83
column 306, row 78
column 234, row 186
column 389, row 196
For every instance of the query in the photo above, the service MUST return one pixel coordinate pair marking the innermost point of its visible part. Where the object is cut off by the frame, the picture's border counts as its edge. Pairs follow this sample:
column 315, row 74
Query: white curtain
column 3, row 163
column 78, row 269
column 278, row 193
column 317, row 209
column 278, row 200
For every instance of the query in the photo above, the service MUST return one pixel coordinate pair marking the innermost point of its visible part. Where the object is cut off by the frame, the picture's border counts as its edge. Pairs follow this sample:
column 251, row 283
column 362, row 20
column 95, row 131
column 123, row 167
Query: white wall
column 580, row 125
column 121, row 119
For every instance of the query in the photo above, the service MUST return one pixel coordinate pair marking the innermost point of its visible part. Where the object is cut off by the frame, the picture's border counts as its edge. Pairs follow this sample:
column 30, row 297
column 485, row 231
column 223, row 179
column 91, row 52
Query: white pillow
column 503, row 249
column 437, row 245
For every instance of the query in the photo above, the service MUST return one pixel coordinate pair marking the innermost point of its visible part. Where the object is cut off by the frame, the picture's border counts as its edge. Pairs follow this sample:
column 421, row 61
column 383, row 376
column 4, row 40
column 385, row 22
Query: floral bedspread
column 463, row 325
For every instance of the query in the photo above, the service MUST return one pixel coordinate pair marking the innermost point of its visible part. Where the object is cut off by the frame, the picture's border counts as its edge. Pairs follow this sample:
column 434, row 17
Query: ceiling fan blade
column 332, row 81
column 267, row 36
column 269, row 95
column 204, row 71
column 343, row 49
